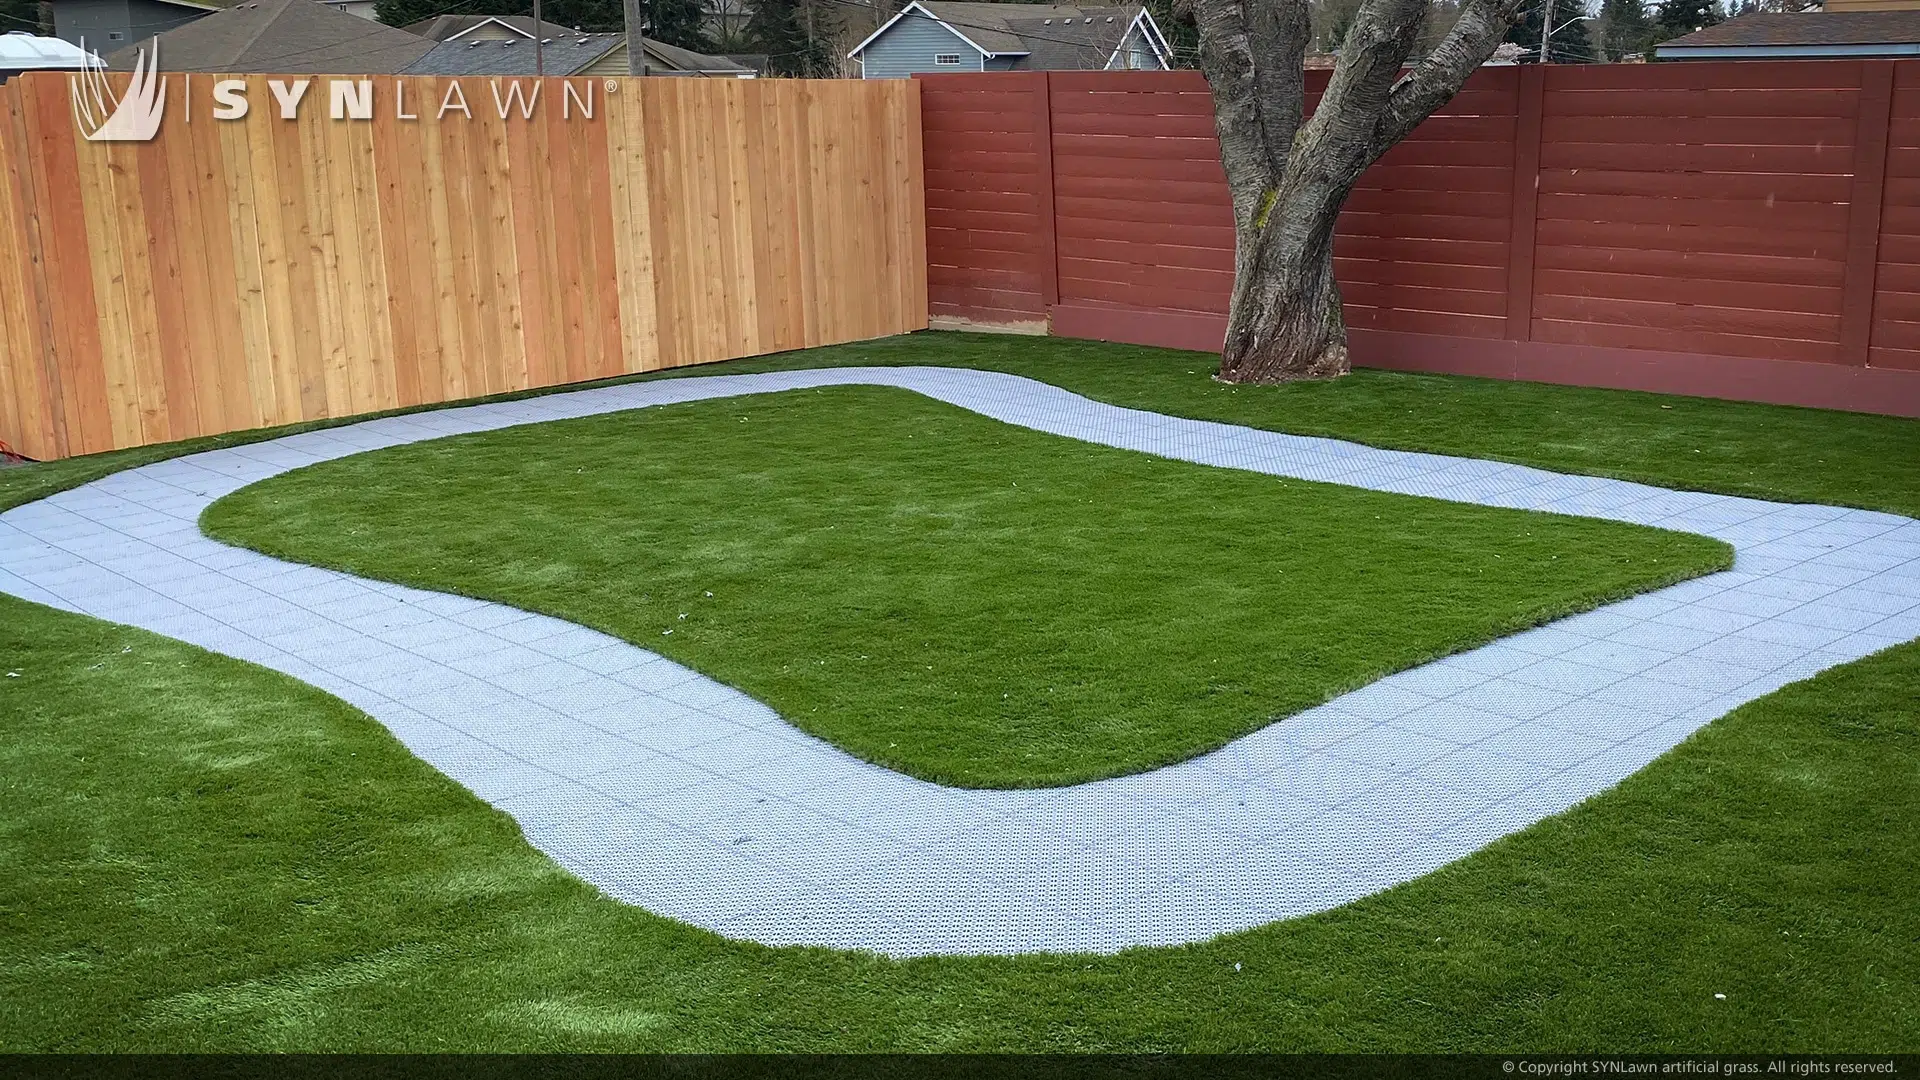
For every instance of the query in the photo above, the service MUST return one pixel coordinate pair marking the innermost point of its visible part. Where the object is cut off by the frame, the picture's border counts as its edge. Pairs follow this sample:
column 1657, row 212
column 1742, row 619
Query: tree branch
column 1439, row 75
column 1252, row 53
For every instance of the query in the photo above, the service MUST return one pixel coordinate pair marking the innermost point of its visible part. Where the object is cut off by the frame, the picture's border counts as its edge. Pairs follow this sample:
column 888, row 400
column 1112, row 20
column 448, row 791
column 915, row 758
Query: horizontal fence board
column 1732, row 213
column 1426, row 322
column 1713, row 102
column 1489, row 279
column 1688, row 318
column 1804, row 299
column 1693, row 265
column 1746, row 75
column 1772, row 131
column 1680, row 158
column 1127, row 250
column 1735, row 240
column 1102, row 288
column 1688, row 186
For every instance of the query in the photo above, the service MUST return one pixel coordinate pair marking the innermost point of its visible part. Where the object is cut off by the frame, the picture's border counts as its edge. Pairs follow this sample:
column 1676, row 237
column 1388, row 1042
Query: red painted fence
column 1745, row 230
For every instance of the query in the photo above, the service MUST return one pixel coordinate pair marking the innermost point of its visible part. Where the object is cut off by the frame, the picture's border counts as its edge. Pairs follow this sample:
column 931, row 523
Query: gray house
column 931, row 36
column 108, row 25
column 282, row 37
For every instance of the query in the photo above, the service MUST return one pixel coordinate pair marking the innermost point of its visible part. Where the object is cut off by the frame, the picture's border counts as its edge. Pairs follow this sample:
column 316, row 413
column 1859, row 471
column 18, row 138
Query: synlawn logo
column 103, row 116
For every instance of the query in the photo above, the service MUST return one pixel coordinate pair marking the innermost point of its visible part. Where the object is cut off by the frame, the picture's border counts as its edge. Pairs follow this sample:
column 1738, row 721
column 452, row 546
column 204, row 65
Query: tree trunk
column 1286, row 321
column 1289, row 174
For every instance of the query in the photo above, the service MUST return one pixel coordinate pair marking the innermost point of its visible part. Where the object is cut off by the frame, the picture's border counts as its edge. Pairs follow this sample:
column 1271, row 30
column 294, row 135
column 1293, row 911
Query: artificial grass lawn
column 198, row 854
column 971, row 602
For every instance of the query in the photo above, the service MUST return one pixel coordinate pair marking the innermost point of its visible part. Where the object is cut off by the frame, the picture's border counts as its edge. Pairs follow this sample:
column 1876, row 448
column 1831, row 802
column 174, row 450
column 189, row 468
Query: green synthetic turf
column 970, row 602
column 198, row 854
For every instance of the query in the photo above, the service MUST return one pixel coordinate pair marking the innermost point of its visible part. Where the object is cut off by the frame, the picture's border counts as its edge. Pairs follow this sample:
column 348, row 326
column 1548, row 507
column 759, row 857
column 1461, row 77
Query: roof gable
column 1046, row 36
column 919, row 10
column 558, row 56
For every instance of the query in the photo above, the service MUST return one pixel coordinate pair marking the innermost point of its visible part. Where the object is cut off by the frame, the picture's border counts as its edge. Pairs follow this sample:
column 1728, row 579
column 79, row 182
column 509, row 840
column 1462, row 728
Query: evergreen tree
column 1681, row 17
column 24, row 15
column 798, row 37
column 1624, row 28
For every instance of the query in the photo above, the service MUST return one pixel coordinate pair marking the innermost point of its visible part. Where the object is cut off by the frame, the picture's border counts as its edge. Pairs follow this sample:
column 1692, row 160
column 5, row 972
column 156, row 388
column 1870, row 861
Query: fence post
column 1526, row 200
column 1871, row 131
column 1049, row 242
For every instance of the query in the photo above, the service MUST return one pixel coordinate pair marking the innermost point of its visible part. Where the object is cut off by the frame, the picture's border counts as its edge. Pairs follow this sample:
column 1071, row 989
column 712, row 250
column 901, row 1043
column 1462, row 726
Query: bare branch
column 1344, row 129
column 1438, row 76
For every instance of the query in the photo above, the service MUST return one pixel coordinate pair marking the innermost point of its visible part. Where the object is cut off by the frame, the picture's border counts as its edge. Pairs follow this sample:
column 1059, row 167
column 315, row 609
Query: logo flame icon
column 134, row 117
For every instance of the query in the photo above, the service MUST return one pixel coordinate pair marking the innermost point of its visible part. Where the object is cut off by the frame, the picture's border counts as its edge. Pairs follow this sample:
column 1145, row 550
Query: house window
column 114, row 35
column 946, row 58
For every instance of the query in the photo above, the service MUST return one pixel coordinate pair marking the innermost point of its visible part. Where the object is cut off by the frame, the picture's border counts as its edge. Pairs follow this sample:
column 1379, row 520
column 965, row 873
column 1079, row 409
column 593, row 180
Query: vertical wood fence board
column 238, row 274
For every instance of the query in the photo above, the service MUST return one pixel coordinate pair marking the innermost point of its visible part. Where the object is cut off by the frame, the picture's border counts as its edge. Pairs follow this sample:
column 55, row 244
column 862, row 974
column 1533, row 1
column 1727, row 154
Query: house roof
column 560, row 55
column 566, row 51
column 1052, row 37
column 289, row 37
column 449, row 27
column 27, row 52
column 675, row 58
column 1810, row 33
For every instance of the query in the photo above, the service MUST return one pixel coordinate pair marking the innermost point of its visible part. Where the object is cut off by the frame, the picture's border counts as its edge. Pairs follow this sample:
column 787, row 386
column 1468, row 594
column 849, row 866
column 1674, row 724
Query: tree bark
column 1290, row 175
column 1286, row 321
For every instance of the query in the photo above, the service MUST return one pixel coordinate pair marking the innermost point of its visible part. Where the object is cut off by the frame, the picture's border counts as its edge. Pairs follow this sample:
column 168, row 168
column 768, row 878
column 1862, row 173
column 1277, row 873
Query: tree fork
column 1289, row 175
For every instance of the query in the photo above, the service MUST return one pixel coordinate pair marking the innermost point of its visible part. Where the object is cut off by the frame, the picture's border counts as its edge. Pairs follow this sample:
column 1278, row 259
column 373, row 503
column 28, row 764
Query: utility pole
column 636, row 39
column 539, row 28
column 1546, row 33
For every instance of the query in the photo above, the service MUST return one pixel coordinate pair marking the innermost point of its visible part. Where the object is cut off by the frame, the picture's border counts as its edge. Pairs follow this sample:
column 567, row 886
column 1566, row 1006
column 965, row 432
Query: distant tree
column 1570, row 44
column 799, row 37
column 726, row 25
column 1623, row 28
column 1680, row 17
column 678, row 22
column 1330, row 20
column 1175, row 20
column 1441, row 15
column 23, row 15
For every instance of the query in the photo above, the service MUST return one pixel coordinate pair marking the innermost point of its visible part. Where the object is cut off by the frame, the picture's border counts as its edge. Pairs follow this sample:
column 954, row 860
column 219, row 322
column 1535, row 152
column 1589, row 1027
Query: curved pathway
column 673, row 792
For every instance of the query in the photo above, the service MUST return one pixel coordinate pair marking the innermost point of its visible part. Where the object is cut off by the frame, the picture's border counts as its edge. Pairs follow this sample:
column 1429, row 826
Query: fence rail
column 242, row 273
column 1745, row 230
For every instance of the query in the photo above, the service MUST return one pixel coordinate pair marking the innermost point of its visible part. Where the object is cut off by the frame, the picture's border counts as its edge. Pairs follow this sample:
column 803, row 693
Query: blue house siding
column 1136, row 53
column 910, row 47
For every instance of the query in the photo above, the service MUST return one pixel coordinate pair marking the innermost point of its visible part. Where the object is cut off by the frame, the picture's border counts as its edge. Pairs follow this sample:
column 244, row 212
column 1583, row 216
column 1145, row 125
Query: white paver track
column 673, row 792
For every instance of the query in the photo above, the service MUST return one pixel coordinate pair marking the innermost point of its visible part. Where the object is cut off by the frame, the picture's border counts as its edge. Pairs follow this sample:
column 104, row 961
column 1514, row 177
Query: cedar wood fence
column 1745, row 230
column 247, row 273
column 1740, row 230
